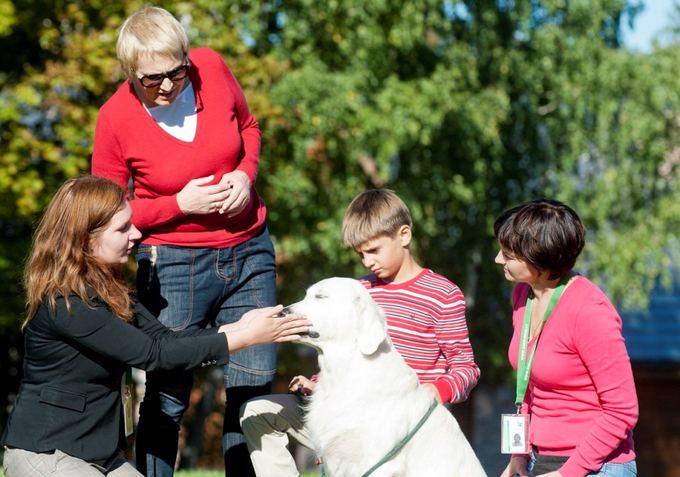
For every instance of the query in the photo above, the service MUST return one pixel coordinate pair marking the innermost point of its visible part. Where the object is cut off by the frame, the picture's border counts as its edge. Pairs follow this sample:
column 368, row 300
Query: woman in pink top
column 581, row 396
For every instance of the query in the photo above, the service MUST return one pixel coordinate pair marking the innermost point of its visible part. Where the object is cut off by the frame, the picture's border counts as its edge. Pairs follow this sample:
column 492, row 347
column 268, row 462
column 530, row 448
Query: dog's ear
column 372, row 330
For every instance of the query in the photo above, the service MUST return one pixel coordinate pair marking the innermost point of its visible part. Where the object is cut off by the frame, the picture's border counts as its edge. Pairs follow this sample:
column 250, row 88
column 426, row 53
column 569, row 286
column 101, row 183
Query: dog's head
column 342, row 312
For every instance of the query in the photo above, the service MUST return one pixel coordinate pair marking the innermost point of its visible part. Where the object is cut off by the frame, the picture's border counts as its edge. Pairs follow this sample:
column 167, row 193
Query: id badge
column 126, row 396
column 515, row 434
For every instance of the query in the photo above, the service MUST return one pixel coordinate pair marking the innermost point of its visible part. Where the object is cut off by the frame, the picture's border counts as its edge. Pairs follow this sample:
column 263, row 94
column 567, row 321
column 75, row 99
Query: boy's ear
column 405, row 235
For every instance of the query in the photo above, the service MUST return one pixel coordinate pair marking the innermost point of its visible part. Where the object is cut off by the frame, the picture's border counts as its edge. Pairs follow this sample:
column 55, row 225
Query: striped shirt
column 426, row 322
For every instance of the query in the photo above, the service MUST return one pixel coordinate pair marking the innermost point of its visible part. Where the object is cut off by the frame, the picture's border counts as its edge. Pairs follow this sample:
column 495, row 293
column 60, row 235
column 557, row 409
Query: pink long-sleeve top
column 581, row 396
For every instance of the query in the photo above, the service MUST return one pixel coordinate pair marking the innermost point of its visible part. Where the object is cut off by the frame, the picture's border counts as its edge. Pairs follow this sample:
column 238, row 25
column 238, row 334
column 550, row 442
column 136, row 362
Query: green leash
column 395, row 450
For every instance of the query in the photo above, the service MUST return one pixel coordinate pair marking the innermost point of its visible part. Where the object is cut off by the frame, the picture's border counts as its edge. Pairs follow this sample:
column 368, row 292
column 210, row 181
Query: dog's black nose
column 284, row 312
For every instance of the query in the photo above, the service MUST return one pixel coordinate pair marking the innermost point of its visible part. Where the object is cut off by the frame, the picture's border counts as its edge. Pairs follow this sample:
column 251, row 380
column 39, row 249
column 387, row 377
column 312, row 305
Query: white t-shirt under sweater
column 179, row 117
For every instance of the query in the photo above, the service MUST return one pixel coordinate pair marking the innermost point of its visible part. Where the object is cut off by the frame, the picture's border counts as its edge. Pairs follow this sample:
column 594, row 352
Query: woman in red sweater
column 180, row 132
column 567, row 344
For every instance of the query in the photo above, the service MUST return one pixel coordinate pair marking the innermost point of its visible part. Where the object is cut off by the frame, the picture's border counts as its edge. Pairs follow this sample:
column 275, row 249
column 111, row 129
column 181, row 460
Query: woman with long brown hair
column 83, row 330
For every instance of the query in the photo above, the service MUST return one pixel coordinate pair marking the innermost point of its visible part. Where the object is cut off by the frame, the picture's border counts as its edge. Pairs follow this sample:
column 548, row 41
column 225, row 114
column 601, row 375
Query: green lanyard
column 524, row 365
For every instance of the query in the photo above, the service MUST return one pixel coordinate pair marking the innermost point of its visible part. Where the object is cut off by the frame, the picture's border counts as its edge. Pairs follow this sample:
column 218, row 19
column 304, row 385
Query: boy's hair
column 544, row 233
column 373, row 213
column 150, row 31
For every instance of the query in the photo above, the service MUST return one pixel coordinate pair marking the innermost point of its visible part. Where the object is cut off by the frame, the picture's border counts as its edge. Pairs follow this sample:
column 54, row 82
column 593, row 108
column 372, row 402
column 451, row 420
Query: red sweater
column 581, row 395
column 128, row 143
column 426, row 322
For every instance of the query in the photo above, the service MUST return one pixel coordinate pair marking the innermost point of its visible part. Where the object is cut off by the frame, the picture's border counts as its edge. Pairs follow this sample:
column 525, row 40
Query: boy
column 425, row 316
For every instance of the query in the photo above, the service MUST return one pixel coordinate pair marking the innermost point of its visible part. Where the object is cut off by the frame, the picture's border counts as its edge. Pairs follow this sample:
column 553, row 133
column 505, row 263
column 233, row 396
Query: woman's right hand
column 263, row 325
column 517, row 466
column 197, row 197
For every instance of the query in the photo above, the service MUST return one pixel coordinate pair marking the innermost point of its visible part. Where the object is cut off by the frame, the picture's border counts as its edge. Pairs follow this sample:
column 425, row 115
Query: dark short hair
column 545, row 233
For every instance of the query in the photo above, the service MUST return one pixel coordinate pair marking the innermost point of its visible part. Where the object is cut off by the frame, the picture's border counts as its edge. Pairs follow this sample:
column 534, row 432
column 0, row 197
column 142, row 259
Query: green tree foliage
column 60, row 67
column 467, row 108
column 463, row 107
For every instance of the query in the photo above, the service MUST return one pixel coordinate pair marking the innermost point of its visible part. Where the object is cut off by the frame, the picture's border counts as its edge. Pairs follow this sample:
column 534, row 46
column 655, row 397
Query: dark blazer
column 70, row 396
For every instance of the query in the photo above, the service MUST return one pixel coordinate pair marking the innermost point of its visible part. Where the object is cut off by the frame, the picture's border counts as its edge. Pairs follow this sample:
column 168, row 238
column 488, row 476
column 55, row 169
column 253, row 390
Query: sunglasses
column 175, row 74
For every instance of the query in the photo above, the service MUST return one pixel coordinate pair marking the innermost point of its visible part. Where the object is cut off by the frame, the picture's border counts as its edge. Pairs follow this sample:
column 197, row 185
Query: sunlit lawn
column 219, row 473
column 203, row 473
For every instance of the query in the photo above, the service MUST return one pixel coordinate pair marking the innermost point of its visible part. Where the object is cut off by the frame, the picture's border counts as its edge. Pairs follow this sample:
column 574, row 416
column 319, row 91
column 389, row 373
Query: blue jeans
column 609, row 469
column 187, row 289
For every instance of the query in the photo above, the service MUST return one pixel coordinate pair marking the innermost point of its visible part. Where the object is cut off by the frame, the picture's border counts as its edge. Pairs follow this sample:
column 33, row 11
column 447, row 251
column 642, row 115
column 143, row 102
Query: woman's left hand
column 551, row 474
column 264, row 325
column 239, row 193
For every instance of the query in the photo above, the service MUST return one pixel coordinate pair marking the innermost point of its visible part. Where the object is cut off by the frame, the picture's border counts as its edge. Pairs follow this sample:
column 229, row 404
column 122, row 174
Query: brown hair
column 546, row 234
column 374, row 213
column 61, row 262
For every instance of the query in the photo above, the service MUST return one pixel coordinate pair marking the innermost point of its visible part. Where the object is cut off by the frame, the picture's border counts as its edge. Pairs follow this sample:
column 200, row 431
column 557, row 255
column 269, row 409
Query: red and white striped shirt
column 426, row 322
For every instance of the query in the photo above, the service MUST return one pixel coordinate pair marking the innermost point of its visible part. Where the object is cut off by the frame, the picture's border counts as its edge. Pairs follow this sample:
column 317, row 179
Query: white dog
column 367, row 400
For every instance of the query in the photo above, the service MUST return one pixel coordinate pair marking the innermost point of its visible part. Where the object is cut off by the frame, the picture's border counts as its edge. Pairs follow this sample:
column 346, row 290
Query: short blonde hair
column 150, row 31
column 372, row 214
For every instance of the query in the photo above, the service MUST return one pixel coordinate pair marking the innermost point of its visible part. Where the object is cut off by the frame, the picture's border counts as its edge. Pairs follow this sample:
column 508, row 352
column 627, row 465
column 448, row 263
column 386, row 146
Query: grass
column 217, row 473
column 204, row 473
